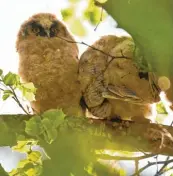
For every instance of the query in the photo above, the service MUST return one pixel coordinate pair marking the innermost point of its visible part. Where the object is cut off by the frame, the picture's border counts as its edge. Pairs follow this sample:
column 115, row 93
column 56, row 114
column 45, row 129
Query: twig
column 136, row 158
column 83, row 43
column 137, row 166
column 14, row 97
column 1, row 89
column 151, row 164
column 165, row 164
column 163, row 167
column 167, row 169
column 98, row 3
column 17, row 100
column 157, row 167
column 101, row 18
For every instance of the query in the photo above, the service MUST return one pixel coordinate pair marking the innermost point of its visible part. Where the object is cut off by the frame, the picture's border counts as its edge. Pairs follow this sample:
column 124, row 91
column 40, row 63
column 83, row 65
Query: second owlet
column 112, row 84
column 51, row 63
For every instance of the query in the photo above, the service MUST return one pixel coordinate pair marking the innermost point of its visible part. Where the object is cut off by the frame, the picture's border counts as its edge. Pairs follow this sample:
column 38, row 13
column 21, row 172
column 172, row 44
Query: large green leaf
column 72, row 154
column 2, row 172
column 150, row 22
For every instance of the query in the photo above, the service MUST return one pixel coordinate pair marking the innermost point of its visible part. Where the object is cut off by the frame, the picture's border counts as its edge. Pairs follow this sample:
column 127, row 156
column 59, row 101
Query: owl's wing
column 126, row 94
column 112, row 84
column 122, row 93
column 155, row 89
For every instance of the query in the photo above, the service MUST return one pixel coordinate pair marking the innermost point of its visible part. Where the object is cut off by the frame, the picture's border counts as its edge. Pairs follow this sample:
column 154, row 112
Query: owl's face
column 42, row 25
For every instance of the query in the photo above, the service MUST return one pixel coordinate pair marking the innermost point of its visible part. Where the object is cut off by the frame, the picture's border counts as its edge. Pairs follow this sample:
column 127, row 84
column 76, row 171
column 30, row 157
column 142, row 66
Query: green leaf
column 2, row 172
column 28, row 91
column 27, row 168
column 55, row 116
column 3, row 127
column 6, row 96
column 23, row 163
column 122, row 172
column 21, row 138
column 29, row 96
column 34, row 126
column 35, row 157
column 77, row 27
column 21, row 146
column 11, row 79
column 1, row 72
column 14, row 172
column 161, row 108
column 50, row 132
column 67, row 13
column 36, row 171
column 8, row 92
column 150, row 23
column 30, row 87
column 47, row 124
column 93, row 13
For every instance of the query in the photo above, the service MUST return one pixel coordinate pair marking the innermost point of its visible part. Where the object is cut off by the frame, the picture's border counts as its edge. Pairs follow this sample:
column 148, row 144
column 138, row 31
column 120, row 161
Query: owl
column 51, row 63
column 113, row 86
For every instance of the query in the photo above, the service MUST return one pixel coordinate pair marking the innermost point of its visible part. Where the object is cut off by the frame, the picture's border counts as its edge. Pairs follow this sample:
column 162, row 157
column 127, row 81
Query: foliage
column 161, row 109
column 48, row 128
column 93, row 13
column 69, row 144
column 32, row 165
column 150, row 23
column 11, row 82
column 45, row 125
column 75, row 20
column 2, row 172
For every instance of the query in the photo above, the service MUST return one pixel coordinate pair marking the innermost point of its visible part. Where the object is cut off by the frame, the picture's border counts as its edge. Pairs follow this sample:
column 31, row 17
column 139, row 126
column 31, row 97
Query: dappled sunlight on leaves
column 45, row 124
column 89, row 12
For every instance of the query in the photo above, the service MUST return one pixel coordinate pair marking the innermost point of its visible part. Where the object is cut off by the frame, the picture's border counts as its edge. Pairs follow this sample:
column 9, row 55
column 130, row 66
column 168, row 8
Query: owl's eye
column 55, row 30
column 36, row 30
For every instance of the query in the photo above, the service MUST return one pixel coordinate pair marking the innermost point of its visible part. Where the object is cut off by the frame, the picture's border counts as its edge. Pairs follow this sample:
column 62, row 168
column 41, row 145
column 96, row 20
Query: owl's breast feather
column 52, row 65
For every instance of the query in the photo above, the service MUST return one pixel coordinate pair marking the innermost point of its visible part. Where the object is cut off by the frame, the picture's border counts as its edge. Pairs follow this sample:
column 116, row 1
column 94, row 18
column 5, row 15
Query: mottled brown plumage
column 115, row 86
column 50, row 63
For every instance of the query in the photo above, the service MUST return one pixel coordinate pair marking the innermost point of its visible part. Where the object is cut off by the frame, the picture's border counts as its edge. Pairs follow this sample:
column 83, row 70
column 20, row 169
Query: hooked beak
column 47, row 33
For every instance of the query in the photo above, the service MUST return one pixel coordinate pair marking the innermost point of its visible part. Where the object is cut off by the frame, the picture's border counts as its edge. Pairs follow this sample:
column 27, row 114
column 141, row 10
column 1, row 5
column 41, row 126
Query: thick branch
column 101, row 134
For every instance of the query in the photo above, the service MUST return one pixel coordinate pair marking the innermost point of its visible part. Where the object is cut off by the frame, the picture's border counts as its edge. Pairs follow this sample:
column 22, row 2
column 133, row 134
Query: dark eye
column 55, row 30
column 36, row 30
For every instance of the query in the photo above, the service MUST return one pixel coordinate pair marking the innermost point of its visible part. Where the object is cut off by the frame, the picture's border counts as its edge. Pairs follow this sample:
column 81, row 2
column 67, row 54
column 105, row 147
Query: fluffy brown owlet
column 50, row 62
column 112, row 84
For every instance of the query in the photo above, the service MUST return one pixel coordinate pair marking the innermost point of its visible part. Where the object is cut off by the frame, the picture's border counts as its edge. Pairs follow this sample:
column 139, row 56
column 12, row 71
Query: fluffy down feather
column 114, row 86
column 50, row 63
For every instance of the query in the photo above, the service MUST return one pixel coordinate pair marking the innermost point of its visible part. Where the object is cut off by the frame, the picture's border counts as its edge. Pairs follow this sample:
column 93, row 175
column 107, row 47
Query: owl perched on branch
column 50, row 63
column 112, row 84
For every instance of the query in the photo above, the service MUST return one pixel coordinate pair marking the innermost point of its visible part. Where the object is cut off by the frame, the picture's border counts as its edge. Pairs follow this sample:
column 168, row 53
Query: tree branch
column 102, row 134
column 151, row 164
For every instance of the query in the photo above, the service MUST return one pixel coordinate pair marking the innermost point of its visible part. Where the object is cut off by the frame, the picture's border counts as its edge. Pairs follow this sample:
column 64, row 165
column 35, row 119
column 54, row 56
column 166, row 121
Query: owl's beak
column 47, row 32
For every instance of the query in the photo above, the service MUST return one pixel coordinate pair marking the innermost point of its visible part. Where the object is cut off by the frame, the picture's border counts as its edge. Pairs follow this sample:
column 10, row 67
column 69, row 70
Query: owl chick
column 112, row 84
column 51, row 63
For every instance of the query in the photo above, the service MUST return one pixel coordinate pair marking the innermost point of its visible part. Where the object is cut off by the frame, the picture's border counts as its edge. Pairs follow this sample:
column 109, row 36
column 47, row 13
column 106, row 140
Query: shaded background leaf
column 77, row 27
column 150, row 23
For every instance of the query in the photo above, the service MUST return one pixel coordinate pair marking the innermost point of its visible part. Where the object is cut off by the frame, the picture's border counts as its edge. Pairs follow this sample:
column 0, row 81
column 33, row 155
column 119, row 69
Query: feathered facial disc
column 43, row 25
